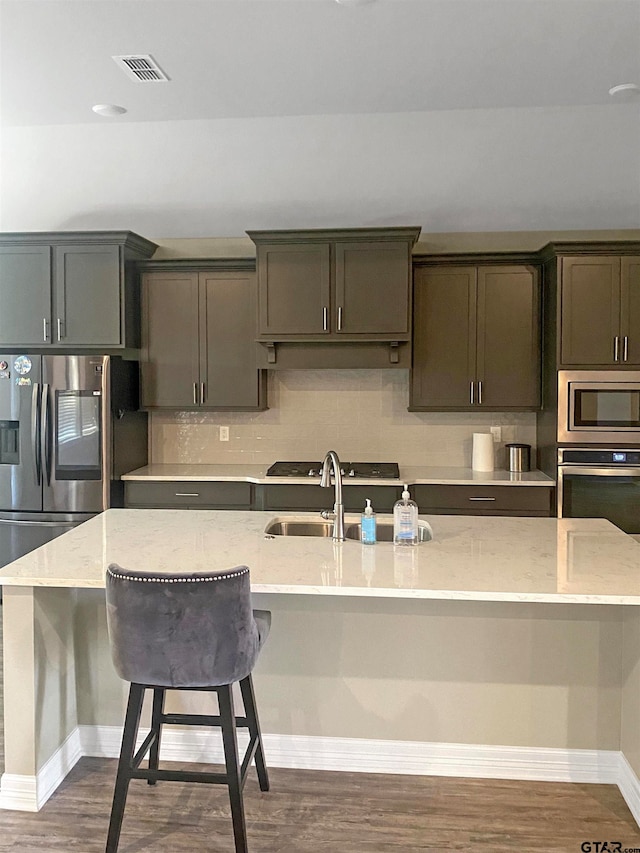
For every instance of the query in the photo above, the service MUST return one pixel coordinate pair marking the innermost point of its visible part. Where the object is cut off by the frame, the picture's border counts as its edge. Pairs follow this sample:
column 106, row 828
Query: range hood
column 337, row 298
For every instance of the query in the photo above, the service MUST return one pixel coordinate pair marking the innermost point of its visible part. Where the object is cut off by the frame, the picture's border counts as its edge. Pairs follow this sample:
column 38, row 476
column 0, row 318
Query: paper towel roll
column 482, row 453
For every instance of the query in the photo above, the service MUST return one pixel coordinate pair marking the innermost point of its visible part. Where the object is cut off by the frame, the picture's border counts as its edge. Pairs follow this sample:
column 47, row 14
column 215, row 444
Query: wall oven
column 600, row 483
column 599, row 407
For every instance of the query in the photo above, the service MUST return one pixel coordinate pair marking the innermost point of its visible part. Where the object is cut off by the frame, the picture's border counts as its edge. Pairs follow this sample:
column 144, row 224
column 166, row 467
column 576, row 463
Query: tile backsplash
column 362, row 414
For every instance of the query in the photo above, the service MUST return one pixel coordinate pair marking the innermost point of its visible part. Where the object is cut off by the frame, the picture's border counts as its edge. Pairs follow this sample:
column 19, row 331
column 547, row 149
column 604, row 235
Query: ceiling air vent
column 142, row 67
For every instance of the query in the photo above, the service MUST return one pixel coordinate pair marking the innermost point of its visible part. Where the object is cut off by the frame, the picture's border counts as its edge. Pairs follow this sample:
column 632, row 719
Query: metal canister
column 519, row 457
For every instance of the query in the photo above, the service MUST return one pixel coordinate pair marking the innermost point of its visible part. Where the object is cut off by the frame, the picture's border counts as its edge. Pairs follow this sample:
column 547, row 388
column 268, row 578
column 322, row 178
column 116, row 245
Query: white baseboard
column 629, row 785
column 30, row 793
column 347, row 754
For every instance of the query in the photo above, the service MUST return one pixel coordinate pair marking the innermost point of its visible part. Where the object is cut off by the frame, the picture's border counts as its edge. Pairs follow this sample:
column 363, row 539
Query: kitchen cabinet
column 600, row 311
column 198, row 337
column 484, row 500
column 187, row 494
column 75, row 290
column 281, row 497
column 343, row 285
column 476, row 337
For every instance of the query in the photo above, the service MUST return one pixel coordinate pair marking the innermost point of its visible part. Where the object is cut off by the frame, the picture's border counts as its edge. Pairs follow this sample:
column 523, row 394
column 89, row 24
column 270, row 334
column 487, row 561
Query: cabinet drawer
column 313, row 497
column 484, row 500
column 188, row 495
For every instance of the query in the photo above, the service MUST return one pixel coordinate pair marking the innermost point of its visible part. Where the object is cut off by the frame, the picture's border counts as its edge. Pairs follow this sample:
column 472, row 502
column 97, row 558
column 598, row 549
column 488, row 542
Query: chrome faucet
column 331, row 465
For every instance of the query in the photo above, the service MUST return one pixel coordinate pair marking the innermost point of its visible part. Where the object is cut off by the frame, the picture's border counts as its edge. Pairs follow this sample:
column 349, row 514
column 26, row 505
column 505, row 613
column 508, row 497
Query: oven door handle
column 598, row 472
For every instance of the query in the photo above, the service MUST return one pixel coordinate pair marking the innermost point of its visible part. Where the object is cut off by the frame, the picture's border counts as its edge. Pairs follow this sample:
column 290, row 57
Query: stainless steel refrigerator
column 69, row 427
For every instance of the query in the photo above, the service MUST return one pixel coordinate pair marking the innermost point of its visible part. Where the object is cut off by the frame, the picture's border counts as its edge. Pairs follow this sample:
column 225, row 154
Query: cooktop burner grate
column 363, row 470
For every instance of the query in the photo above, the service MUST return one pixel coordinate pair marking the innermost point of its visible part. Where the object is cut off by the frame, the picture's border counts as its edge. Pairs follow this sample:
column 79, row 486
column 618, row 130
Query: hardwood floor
column 325, row 812
column 312, row 811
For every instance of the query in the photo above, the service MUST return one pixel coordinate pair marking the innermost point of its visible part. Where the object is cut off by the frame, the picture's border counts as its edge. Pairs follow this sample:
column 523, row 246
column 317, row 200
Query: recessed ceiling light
column 354, row 2
column 108, row 110
column 624, row 89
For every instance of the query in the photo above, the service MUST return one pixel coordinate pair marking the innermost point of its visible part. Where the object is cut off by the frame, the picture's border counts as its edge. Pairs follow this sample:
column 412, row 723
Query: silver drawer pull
column 187, row 494
column 325, row 319
column 482, row 499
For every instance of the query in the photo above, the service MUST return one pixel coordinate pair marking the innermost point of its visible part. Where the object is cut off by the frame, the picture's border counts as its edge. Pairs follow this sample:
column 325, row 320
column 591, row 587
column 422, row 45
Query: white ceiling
column 242, row 58
column 456, row 115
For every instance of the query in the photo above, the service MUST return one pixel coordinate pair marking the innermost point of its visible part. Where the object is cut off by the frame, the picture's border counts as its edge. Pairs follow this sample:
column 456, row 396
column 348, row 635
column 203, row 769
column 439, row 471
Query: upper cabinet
column 77, row 289
column 198, row 337
column 346, row 286
column 600, row 310
column 476, row 337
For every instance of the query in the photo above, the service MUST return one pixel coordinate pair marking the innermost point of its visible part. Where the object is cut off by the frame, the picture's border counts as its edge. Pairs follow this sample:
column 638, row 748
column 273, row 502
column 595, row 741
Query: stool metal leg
column 232, row 762
column 251, row 713
column 156, row 728
column 123, row 776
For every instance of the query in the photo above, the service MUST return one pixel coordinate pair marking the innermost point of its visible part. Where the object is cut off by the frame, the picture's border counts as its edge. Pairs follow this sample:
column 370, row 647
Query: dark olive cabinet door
column 508, row 338
column 372, row 284
column 170, row 340
column 228, row 328
column 590, row 311
column 294, row 283
column 25, row 295
column 630, row 311
column 476, row 338
column 87, row 296
column 444, row 337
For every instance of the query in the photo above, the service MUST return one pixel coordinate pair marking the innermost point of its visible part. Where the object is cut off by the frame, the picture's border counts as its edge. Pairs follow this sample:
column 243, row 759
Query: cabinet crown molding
column 134, row 242
column 322, row 235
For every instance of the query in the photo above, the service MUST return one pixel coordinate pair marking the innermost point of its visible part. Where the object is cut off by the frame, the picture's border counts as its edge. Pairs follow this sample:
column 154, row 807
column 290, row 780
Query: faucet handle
column 327, row 514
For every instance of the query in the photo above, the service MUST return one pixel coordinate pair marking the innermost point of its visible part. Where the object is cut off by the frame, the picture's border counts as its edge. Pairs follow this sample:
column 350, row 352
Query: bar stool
column 185, row 632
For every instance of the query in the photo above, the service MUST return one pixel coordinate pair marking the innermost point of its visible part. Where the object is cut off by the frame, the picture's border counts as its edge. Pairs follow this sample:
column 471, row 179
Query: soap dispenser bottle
column 368, row 525
column 405, row 520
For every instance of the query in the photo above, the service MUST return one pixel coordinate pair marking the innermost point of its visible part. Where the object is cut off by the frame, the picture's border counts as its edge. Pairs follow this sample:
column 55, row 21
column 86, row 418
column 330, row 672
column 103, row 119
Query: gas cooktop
column 365, row 470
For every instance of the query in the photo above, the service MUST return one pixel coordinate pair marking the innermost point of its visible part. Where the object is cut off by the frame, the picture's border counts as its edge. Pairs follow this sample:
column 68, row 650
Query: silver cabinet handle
column 340, row 318
column 625, row 348
column 325, row 318
column 482, row 499
column 202, row 393
column 59, row 325
column 471, row 384
column 616, row 348
column 187, row 494
column 195, row 393
column 45, row 330
column 480, row 392
column 36, row 443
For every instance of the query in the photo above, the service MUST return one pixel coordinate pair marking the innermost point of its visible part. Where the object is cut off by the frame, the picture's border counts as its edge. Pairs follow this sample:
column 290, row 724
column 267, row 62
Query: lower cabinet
column 187, row 494
column 280, row 497
column 484, row 500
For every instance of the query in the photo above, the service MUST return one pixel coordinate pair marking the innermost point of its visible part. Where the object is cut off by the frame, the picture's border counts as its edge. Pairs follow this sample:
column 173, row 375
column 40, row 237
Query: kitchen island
column 503, row 647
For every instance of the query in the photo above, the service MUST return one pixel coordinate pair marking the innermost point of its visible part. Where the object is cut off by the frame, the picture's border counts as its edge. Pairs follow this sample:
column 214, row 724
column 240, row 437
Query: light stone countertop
column 588, row 561
column 257, row 474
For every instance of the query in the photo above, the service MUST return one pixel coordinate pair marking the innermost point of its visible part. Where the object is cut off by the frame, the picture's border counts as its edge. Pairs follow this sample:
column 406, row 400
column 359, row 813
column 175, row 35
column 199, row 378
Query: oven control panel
column 589, row 456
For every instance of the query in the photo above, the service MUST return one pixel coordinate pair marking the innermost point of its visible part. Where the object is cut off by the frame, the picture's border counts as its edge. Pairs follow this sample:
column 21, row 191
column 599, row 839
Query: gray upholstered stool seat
column 185, row 632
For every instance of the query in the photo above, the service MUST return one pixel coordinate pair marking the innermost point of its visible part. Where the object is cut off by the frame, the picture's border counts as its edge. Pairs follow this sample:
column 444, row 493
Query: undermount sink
column 320, row 527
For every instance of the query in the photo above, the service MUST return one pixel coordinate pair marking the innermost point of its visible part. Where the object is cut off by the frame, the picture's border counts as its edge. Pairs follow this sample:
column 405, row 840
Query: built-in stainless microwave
column 598, row 406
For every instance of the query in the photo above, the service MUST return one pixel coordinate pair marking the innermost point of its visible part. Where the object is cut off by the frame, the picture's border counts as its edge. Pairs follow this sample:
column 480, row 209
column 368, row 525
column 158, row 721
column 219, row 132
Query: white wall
column 457, row 170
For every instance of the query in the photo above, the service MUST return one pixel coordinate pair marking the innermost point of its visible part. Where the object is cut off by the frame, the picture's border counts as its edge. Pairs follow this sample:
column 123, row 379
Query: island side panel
column 514, row 674
column 40, row 718
column 630, row 734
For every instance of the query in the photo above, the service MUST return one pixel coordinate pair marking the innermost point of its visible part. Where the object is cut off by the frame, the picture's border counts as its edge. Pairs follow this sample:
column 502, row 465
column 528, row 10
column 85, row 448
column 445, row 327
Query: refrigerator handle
column 45, row 428
column 35, row 432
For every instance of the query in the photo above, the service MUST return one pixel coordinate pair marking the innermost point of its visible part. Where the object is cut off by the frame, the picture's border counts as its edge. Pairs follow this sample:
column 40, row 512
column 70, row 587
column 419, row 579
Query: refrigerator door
column 20, row 458
column 18, row 538
column 76, row 439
